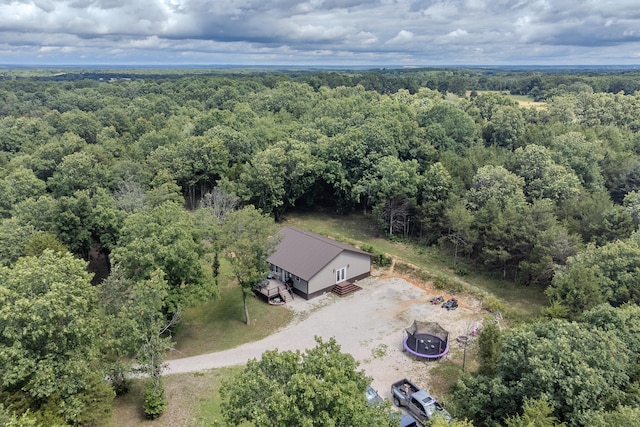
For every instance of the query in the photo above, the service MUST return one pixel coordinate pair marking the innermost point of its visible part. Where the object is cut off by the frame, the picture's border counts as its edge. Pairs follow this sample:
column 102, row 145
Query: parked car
column 418, row 402
column 404, row 420
column 372, row 396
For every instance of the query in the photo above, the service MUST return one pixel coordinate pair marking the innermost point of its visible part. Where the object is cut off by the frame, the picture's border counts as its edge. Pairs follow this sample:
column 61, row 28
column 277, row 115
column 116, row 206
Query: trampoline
column 427, row 340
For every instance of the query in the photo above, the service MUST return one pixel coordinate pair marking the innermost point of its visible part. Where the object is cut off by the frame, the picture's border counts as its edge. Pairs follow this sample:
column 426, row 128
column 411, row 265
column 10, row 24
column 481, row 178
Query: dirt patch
column 369, row 325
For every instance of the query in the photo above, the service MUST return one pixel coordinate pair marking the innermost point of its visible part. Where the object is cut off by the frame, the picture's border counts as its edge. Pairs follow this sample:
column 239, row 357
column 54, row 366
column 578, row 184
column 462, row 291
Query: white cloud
column 380, row 31
column 457, row 33
column 402, row 37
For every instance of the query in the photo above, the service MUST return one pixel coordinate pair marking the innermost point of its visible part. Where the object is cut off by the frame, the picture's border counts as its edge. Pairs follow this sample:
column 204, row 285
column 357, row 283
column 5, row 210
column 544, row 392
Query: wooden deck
column 274, row 291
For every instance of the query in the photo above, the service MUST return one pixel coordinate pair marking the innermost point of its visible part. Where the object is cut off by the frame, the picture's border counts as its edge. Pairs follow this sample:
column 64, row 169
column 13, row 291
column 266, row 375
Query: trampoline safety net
column 431, row 328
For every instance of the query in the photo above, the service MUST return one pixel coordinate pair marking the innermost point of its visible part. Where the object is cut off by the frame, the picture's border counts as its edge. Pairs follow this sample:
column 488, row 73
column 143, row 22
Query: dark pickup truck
column 418, row 402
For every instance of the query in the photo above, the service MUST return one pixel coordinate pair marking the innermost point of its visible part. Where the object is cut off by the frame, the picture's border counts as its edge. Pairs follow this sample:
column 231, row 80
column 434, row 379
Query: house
column 313, row 264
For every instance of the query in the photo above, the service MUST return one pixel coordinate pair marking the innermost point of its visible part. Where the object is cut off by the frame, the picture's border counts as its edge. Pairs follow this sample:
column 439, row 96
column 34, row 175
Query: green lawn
column 220, row 324
column 194, row 401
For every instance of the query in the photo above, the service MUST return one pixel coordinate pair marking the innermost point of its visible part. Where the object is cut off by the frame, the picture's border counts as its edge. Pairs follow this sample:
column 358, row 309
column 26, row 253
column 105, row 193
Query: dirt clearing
column 368, row 324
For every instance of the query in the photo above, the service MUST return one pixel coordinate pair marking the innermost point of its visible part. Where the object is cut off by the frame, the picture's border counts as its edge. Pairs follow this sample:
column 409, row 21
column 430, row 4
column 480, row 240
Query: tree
column 506, row 127
column 459, row 222
column 578, row 366
column 582, row 156
column 163, row 189
column 17, row 186
column 50, row 336
column 218, row 203
column 278, row 176
column 497, row 184
column 151, row 326
column 138, row 332
column 14, row 237
column 622, row 416
column 129, row 196
column 164, row 237
column 320, row 387
column 436, row 188
column 576, row 288
column 599, row 274
column 247, row 243
column 488, row 346
column 632, row 204
column 458, row 126
column 73, row 222
column 10, row 419
column 500, row 213
column 107, row 220
column 78, row 122
column 391, row 186
column 536, row 413
column 504, row 238
column 43, row 240
column 598, row 219
column 212, row 209
column 77, row 171
column 551, row 247
column 543, row 177
column 196, row 163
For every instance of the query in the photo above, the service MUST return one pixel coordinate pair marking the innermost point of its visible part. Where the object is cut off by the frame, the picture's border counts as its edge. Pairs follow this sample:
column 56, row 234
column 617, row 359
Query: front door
column 341, row 274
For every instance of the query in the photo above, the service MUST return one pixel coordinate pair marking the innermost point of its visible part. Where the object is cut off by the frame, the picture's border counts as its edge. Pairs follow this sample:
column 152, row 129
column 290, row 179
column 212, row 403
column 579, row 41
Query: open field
column 522, row 100
column 527, row 101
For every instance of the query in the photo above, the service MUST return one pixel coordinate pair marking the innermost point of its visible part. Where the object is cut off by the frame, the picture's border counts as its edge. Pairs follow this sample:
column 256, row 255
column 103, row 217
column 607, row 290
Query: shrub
column 383, row 260
column 445, row 283
column 492, row 304
column 462, row 271
column 368, row 248
column 118, row 376
column 441, row 282
column 403, row 268
column 154, row 401
column 377, row 258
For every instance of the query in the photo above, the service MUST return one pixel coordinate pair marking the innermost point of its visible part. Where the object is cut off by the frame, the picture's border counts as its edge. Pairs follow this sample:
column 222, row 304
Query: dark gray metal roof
column 304, row 253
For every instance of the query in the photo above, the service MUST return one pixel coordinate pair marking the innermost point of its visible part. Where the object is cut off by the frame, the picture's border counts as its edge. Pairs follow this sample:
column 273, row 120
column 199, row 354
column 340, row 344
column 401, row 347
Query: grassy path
column 358, row 229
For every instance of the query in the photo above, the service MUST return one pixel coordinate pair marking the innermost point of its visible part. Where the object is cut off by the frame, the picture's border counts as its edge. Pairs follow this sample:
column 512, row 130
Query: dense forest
column 115, row 169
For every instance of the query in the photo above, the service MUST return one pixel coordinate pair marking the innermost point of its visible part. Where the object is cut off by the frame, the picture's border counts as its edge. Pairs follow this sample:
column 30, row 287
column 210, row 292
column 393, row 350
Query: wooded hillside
column 107, row 165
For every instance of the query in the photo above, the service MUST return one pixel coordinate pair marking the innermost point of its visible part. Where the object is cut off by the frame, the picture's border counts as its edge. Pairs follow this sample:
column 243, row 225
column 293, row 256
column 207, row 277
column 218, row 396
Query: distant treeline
column 540, row 83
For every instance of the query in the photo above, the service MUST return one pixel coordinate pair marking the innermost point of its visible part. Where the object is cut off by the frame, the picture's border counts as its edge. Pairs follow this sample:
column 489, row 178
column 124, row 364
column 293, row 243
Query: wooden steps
column 286, row 295
column 343, row 289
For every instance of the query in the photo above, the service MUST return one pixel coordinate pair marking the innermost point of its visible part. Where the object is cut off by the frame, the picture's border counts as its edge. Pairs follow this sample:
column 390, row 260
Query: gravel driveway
column 368, row 324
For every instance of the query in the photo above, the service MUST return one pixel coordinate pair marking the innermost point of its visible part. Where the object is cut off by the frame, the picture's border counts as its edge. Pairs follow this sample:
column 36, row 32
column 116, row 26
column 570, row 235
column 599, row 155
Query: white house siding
column 358, row 265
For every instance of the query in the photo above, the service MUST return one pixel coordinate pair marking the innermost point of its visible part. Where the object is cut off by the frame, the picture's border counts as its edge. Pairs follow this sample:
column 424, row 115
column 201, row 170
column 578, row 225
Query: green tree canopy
column 18, row 186
column 599, row 274
column 164, row 237
column 578, row 366
column 246, row 234
column 457, row 125
column 50, row 335
column 320, row 387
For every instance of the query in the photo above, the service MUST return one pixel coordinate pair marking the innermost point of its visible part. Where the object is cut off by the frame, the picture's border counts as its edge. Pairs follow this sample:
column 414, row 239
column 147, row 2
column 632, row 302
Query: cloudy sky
column 320, row 32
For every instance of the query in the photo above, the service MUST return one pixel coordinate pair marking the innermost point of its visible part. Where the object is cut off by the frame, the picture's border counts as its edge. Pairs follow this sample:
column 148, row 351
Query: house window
column 341, row 274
